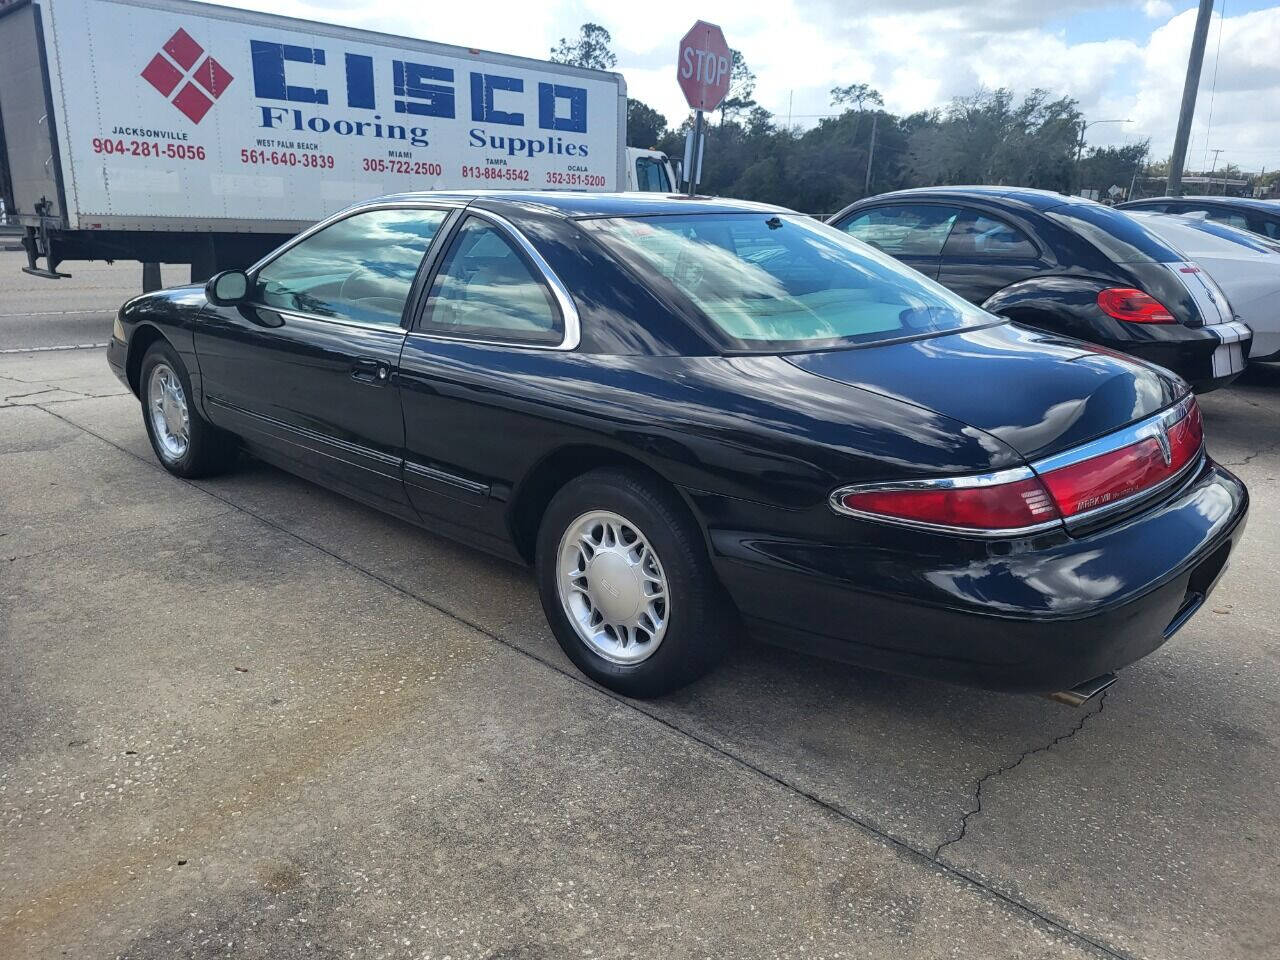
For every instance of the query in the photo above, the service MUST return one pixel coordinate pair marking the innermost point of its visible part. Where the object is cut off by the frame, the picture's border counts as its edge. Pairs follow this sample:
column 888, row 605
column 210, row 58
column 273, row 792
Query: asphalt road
column 246, row 717
column 35, row 312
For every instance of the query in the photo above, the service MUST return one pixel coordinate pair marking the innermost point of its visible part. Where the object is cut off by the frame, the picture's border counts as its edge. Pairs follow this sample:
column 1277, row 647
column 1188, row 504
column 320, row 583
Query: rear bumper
column 1039, row 615
column 1206, row 357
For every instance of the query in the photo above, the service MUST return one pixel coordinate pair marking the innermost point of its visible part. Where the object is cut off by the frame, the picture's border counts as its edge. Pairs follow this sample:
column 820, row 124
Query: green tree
column 592, row 48
column 855, row 95
column 742, row 87
column 1104, row 167
column 988, row 138
column 645, row 125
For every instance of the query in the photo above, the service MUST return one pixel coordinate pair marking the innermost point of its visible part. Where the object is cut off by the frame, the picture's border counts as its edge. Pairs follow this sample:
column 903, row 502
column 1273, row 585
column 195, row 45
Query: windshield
column 651, row 175
column 770, row 282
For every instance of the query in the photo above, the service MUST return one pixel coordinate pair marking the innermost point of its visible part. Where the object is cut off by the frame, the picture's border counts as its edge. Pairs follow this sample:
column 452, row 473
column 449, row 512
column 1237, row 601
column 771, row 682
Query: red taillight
column 965, row 504
column 1132, row 461
column 1121, row 473
column 1133, row 306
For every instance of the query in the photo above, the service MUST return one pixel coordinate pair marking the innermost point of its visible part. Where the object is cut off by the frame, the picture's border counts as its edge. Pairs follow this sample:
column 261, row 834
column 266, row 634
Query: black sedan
column 1243, row 213
column 1064, row 265
column 700, row 418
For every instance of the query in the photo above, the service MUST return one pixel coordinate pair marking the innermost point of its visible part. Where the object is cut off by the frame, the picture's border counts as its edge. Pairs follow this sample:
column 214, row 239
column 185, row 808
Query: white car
column 1246, row 266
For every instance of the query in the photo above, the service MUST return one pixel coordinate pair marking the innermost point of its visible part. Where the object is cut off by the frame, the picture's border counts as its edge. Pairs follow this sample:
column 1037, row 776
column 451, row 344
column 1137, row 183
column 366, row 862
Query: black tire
column 700, row 616
column 208, row 450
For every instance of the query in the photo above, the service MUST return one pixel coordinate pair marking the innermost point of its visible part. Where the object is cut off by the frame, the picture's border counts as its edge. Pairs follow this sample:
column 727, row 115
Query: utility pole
column 1189, row 89
column 1213, row 170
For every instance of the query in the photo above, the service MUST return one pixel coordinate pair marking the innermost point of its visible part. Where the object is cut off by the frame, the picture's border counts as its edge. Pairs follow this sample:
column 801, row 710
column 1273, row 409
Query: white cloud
column 1158, row 9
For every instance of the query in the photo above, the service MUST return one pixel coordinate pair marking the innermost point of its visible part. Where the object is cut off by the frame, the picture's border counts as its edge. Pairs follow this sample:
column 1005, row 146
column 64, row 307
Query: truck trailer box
column 174, row 131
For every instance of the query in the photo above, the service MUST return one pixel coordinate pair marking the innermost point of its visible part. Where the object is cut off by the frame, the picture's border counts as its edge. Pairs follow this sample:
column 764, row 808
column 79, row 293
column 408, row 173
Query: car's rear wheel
column 626, row 584
column 184, row 443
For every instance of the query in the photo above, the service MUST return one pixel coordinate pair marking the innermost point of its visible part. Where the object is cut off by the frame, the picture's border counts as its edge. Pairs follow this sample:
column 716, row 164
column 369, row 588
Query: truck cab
column 649, row 171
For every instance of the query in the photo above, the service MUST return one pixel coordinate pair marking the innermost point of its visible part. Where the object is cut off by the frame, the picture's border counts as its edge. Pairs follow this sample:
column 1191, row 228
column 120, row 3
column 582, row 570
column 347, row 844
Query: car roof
column 1248, row 203
column 1222, row 235
column 1026, row 196
column 588, row 205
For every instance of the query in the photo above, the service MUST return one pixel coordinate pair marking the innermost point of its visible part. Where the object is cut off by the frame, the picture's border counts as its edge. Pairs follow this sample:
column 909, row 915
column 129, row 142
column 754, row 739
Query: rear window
column 769, row 282
column 1119, row 236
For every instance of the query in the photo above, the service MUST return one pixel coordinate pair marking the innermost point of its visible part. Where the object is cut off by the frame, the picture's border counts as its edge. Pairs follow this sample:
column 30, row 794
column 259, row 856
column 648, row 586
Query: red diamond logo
column 162, row 75
column 213, row 76
column 177, row 62
column 192, row 102
column 183, row 49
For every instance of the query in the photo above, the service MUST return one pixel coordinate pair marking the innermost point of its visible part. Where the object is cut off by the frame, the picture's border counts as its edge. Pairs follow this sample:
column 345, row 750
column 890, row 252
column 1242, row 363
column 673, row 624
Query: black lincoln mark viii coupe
column 1065, row 265
column 699, row 417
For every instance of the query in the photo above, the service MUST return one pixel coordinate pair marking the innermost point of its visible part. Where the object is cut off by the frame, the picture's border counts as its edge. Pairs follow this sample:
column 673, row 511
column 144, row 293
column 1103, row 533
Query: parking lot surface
column 247, row 717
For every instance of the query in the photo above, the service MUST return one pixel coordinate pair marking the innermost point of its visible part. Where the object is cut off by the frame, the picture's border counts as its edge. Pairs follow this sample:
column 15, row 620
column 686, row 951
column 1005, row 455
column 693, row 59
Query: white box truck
column 168, row 131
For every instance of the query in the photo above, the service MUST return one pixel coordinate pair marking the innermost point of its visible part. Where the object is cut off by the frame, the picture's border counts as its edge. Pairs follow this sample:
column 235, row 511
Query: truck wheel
column 626, row 584
column 185, row 444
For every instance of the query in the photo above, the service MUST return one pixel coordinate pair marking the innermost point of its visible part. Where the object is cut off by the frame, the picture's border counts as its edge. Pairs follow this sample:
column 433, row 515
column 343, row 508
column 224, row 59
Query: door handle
column 370, row 371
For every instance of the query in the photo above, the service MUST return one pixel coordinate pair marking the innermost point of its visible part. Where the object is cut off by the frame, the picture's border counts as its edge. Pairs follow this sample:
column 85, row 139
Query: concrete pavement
column 360, row 740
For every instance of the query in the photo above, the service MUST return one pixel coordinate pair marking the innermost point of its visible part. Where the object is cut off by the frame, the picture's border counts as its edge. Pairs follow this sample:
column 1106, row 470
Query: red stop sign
column 703, row 66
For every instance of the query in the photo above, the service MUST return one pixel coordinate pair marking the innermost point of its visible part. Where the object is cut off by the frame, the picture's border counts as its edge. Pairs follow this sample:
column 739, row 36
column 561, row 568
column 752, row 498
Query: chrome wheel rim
column 170, row 419
column 612, row 587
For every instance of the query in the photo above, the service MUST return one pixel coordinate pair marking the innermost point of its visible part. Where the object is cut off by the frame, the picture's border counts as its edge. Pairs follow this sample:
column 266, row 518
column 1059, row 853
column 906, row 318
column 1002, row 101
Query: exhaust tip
column 1082, row 693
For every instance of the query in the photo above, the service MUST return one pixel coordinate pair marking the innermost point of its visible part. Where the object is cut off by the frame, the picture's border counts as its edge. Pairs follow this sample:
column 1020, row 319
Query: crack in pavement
column 1257, row 453
column 1008, row 767
column 904, row 848
column 33, row 393
column 7, row 404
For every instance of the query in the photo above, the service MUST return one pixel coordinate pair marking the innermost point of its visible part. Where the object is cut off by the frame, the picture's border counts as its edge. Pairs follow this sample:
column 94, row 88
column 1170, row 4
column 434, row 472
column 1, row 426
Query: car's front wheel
column 183, row 442
column 626, row 584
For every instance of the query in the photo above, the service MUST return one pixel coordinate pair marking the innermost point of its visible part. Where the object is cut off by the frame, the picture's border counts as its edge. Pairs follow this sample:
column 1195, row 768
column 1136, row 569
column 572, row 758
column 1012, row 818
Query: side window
column 486, row 289
column 983, row 236
column 1268, row 228
column 651, row 176
column 1230, row 217
column 906, row 230
column 1153, row 208
column 360, row 268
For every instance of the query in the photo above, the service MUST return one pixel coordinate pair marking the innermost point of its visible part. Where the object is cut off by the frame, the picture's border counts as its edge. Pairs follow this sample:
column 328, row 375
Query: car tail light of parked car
column 1003, row 503
column 1133, row 306
column 1145, row 459
column 1079, row 484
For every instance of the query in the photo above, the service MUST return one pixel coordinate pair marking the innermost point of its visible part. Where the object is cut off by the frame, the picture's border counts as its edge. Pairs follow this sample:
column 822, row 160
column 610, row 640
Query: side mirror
column 228, row 288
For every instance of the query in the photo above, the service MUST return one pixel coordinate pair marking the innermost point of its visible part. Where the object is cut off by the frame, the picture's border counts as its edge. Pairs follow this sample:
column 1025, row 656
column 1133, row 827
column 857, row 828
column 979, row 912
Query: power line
column 1213, row 89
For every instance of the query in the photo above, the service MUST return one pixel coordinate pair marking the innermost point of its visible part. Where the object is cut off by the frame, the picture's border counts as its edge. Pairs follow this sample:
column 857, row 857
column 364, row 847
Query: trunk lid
column 1039, row 393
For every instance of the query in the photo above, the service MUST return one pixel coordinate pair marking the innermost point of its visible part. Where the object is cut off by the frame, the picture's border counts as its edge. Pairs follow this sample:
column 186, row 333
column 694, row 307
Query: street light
column 1085, row 125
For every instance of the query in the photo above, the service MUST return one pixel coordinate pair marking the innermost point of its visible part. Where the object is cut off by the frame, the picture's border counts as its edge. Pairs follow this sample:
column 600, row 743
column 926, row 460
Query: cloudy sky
column 1120, row 60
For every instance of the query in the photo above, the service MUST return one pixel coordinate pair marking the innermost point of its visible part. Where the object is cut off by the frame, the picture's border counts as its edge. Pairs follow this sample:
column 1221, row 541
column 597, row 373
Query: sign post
column 703, row 66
